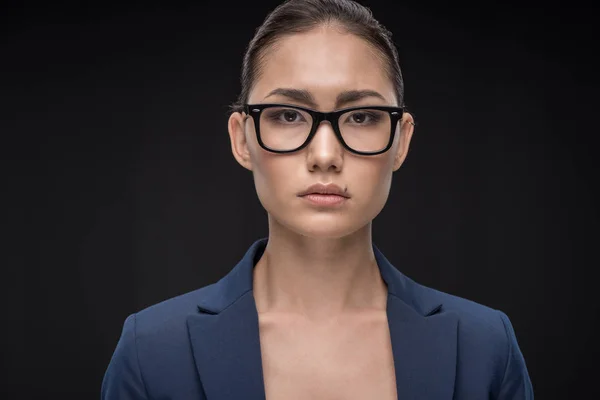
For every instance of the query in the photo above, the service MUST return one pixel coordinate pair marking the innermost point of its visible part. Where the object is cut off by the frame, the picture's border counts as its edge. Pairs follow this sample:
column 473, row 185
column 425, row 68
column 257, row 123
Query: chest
column 346, row 359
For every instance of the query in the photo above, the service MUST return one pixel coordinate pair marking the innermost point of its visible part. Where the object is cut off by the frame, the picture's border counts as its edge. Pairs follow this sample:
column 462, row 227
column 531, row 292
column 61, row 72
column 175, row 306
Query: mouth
column 322, row 194
column 322, row 199
column 325, row 189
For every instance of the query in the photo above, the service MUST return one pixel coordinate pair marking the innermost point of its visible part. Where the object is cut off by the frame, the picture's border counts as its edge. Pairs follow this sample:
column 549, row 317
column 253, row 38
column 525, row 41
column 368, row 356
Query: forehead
column 324, row 61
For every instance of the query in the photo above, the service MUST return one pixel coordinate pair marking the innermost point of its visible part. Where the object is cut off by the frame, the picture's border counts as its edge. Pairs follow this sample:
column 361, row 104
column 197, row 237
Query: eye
column 359, row 117
column 286, row 116
column 362, row 117
column 290, row 115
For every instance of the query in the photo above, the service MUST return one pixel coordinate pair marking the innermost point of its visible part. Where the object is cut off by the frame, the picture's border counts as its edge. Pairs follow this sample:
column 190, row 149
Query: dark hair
column 297, row 16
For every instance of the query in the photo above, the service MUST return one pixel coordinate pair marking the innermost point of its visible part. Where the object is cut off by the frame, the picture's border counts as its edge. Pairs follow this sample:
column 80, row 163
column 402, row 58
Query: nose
column 325, row 152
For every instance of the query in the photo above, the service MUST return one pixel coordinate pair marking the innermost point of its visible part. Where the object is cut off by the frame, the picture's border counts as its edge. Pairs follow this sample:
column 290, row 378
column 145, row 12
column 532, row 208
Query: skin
column 318, row 266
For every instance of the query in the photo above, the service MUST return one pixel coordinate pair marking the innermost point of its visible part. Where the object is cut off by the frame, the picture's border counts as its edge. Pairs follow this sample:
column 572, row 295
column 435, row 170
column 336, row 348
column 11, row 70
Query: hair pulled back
column 298, row 16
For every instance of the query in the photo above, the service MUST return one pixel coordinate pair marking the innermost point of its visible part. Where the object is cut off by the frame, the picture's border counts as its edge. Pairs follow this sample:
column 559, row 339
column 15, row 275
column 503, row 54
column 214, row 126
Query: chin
column 324, row 226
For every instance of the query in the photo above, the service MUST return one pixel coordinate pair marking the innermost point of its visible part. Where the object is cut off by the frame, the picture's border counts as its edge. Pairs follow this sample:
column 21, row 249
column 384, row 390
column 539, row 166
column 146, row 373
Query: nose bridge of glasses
column 330, row 117
column 321, row 117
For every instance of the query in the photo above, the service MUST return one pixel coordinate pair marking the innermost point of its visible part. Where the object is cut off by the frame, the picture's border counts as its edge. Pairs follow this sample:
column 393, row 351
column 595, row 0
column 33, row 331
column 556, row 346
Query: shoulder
column 153, row 354
column 487, row 343
column 482, row 330
column 472, row 316
column 171, row 313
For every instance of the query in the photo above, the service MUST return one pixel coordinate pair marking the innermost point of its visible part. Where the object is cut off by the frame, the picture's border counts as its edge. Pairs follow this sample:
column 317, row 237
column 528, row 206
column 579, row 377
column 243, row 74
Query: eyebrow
column 305, row 97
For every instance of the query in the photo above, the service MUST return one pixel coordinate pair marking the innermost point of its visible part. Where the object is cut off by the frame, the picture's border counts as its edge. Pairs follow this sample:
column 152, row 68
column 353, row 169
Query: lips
column 324, row 189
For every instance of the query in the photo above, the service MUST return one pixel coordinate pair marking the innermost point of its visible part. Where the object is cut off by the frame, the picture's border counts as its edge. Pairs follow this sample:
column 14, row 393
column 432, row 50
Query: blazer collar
column 226, row 342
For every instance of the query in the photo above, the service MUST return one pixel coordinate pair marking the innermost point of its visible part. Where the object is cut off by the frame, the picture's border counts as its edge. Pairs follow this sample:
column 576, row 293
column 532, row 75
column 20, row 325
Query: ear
column 407, row 127
column 239, row 144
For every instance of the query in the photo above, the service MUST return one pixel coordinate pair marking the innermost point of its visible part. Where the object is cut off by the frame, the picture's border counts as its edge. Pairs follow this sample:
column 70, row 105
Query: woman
column 315, row 311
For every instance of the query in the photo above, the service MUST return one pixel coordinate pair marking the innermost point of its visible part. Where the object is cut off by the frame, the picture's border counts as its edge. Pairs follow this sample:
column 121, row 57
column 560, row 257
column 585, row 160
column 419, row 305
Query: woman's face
column 323, row 62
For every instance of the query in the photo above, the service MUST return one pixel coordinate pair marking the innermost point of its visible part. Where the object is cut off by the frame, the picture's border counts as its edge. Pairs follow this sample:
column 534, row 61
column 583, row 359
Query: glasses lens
column 284, row 128
column 366, row 130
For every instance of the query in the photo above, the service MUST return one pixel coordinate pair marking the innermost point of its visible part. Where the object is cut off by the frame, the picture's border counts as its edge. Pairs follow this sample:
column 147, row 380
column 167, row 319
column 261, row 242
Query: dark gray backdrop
column 121, row 191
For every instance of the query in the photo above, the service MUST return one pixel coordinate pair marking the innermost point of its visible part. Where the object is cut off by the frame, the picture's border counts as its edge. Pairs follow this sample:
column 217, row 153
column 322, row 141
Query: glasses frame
column 255, row 110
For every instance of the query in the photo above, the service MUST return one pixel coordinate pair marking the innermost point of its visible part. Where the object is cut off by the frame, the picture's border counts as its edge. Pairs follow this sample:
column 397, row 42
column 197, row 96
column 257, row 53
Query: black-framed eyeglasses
column 284, row 128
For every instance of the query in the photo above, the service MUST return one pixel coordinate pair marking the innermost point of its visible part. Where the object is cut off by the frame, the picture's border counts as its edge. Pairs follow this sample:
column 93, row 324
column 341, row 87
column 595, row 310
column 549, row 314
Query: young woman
column 315, row 311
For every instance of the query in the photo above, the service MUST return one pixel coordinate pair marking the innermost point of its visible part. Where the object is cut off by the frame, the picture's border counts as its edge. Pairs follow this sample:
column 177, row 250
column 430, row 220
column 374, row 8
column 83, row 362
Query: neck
column 318, row 277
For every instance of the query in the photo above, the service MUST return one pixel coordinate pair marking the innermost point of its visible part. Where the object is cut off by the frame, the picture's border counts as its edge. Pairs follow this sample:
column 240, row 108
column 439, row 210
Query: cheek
column 273, row 177
column 372, row 182
column 264, row 167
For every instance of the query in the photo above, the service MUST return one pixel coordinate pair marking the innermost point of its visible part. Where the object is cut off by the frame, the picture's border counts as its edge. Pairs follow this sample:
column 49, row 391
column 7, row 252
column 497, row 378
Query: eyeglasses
column 282, row 128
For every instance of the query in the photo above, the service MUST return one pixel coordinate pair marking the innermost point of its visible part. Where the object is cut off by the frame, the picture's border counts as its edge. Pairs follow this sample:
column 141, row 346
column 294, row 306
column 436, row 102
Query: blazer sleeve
column 516, row 384
column 123, row 378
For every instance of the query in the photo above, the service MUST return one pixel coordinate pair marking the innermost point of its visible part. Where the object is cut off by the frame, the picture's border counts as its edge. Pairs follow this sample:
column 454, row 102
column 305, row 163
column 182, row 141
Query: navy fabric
column 205, row 344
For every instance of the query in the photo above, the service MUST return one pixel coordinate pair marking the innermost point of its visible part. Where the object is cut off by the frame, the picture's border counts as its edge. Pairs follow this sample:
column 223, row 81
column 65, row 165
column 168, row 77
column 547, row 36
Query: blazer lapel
column 424, row 352
column 227, row 351
column 424, row 338
column 225, row 337
column 226, row 343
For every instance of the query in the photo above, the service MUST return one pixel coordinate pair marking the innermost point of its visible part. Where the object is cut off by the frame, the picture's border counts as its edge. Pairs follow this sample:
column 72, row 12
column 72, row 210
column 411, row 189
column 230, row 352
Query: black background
column 121, row 191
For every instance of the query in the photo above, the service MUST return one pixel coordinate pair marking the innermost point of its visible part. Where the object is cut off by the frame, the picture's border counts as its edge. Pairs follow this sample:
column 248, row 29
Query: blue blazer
column 204, row 345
